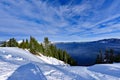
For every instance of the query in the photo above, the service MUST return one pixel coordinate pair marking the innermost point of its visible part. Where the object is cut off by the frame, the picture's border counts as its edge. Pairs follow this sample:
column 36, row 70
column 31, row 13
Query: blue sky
column 60, row 20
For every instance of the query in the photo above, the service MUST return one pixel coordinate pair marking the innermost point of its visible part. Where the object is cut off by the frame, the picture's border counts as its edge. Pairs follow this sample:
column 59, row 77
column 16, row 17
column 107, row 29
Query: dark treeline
column 107, row 57
column 45, row 48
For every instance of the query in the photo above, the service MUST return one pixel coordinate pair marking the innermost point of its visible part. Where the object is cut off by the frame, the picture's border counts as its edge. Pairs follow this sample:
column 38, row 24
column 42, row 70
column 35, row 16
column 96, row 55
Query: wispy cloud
column 60, row 22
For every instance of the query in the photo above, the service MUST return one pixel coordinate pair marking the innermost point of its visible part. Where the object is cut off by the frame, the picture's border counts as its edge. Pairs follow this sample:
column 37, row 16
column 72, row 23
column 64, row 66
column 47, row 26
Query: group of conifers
column 108, row 56
column 46, row 48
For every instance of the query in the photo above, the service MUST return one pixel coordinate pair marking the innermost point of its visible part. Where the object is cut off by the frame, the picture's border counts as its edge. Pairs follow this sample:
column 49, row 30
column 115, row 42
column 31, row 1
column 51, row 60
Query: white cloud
column 41, row 18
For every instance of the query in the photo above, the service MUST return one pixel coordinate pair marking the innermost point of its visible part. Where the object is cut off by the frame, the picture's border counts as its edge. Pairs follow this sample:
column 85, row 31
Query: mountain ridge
column 100, row 40
column 110, row 40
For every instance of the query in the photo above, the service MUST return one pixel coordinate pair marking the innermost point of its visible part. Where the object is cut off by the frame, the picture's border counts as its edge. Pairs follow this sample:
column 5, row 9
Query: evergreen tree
column 117, row 58
column 111, row 56
column 46, row 42
column 99, row 58
column 4, row 44
column 106, row 59
column 27, row 44
column 12, row 43
column 42, row 48
column 22, row 45
column 33, row 46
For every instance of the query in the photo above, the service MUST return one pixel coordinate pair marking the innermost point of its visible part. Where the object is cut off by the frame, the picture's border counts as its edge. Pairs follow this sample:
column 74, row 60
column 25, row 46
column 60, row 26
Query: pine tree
column 12, row 43
column 4, row 44
column 42, row 48
column 32, row 45
column 106, row 59
column 99, row 58
column 46, row 42
column 117, row 57
column 27, row 44
column 22, row 44
column 111, row 56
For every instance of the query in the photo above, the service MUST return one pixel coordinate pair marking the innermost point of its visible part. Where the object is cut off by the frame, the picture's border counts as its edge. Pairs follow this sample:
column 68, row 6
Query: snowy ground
column 18, row 64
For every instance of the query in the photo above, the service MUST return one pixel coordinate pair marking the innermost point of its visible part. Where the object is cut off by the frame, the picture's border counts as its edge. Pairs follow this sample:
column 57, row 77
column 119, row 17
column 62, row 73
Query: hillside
column 17, row 64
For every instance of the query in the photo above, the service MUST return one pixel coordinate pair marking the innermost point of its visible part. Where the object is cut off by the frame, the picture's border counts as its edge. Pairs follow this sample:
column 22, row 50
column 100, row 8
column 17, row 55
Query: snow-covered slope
column 51, row 60
column 18, row 64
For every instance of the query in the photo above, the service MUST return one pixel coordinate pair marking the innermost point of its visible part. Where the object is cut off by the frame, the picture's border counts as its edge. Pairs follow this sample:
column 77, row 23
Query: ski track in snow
column 17, row 64
column 28, row 71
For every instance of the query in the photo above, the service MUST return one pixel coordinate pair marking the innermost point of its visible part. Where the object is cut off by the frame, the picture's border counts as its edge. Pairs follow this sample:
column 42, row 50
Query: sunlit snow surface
column 18, row 64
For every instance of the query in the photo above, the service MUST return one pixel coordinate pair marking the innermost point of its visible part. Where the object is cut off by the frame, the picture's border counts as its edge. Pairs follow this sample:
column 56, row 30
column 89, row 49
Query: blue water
column 85, row 53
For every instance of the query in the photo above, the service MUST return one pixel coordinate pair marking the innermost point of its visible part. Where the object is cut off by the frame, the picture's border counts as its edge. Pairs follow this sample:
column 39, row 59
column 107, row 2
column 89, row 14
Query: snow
column 107, row 69
column 19, row 64
column 6, row 69
column 29, row 71
column 51, row 60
